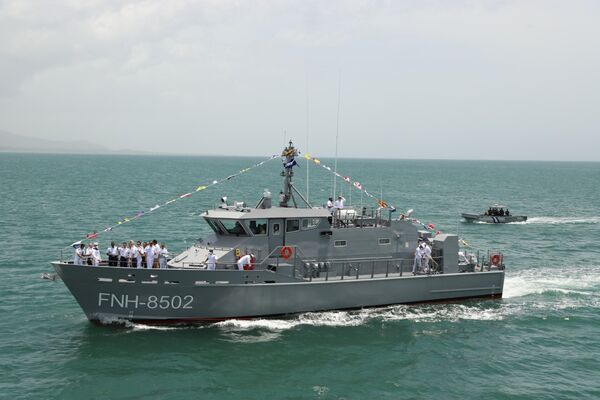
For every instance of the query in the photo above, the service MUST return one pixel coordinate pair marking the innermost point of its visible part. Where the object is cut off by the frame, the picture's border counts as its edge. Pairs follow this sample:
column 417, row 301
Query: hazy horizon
column 495, row 80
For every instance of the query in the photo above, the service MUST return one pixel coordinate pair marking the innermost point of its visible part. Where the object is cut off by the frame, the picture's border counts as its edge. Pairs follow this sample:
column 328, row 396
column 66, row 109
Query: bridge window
column 310, row 223
column 215, row 227
column 292, row 225
column 258, row 226
column 233, row 227
column 384, row 240
column 340, row 243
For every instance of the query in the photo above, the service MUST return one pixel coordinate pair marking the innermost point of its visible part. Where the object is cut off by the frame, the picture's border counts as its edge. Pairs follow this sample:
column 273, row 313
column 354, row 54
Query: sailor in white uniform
column 162, row 256
column 96, row 255
column 78, row 258
column 245, row 261
column 426, row 254
column 139, row 256
column 211, row 261
column 339, row 203
column 418, row 259
column 330, row 205
column 149, row 255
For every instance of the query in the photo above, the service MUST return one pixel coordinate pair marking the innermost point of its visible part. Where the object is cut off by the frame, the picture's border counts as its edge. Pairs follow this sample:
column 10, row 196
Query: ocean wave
column 558, row 220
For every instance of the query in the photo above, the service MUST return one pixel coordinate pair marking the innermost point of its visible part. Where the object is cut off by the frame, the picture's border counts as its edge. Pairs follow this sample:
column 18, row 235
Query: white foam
column 558, row 220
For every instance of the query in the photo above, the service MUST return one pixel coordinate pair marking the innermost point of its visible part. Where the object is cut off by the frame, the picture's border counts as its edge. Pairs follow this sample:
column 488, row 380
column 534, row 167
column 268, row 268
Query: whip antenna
column 337, row 132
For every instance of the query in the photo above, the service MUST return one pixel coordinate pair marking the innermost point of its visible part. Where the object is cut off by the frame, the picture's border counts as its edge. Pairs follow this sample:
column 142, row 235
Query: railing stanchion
column 387, row 268
column 343, row 270
column 357, row 270
column 373, row 270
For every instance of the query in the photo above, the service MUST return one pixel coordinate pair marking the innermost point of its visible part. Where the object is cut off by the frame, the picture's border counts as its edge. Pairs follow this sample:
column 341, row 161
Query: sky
column 411, row 79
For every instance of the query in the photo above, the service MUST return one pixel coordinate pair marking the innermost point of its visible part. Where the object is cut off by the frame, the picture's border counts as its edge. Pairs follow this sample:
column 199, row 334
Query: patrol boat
column 496, row 214
column 306, row 259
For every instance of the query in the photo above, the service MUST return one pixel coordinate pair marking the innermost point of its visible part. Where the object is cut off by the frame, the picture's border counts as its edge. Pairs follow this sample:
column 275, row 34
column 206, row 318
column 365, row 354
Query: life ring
column 495, row 259
column 286, row 252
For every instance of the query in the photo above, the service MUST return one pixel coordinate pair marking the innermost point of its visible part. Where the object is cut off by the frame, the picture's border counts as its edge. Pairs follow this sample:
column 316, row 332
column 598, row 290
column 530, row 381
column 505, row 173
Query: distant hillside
column 10, row 142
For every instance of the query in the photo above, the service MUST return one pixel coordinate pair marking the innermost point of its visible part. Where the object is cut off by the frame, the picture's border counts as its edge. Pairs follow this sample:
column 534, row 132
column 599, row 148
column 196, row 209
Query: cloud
column 458, row 73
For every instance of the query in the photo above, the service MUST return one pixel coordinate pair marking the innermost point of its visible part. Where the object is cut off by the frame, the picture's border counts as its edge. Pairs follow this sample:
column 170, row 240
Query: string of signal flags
column 200, row 188
column 380, row 202
column 357, row 185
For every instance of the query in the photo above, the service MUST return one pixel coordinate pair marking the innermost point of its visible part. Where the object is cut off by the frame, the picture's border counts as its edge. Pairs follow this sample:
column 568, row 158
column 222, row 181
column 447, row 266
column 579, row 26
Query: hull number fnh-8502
column 152, row 302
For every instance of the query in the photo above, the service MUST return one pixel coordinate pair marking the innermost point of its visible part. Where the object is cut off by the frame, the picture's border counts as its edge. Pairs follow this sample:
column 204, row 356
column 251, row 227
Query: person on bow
column 211, row 261
column 113, row 254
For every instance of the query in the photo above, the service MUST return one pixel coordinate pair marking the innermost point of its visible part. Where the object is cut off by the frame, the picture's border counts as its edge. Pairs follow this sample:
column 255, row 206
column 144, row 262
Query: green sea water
column 541, row 341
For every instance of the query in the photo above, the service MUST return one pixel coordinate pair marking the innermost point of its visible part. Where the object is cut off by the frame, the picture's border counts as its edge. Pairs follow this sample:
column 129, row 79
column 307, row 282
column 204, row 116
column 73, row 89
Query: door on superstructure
column 276, row 234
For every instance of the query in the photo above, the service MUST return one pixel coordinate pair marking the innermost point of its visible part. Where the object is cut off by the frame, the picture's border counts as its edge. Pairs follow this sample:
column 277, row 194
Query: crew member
column 156, row 250
column 211, row 261
column 123, row 255
column 330, row 205
column 418, row 258
column 79, row 252
column 95, row 255
column 113, row 254
column 162, row 256
column 245, row 261
column 339, row 203
column 139, row 256
column 426, row 254
column 88, row 254
column 149, row 255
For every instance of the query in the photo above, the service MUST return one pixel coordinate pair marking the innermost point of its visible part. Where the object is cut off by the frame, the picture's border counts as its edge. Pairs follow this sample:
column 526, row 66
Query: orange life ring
column 495, row 259
column 286, row 252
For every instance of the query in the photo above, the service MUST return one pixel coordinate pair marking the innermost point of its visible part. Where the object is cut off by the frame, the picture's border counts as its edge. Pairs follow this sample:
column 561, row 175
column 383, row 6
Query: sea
column 540, row 341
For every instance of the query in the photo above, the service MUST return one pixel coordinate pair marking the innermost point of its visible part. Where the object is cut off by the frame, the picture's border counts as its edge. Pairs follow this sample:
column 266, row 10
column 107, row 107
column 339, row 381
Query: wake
column 558, row 221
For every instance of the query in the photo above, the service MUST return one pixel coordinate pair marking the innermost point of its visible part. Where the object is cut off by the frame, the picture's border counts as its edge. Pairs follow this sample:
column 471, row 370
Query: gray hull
column 109, row 294
column 493, row 219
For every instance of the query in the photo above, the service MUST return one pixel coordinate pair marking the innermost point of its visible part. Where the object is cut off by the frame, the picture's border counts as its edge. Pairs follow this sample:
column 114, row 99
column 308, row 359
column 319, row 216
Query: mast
column 289, row 189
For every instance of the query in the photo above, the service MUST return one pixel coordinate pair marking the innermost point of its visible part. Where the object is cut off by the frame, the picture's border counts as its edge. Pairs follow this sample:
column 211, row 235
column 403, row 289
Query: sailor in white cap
column 95, row 255
column 245, row 261
column 211, row 261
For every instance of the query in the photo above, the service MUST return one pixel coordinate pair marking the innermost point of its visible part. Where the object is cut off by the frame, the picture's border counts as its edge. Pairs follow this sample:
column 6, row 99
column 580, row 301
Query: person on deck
column 156, row 249
column 418, row 258
column 211, row 261
column 162, row 256
column 96, row 259
column 88, row 254
column 245, row 261
column 113, row 255
column 123, row 255
column 149, row 255
column 330, row 205
column 426, row 255
column 339, row 203
column 79, row 252
column 139, row 256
